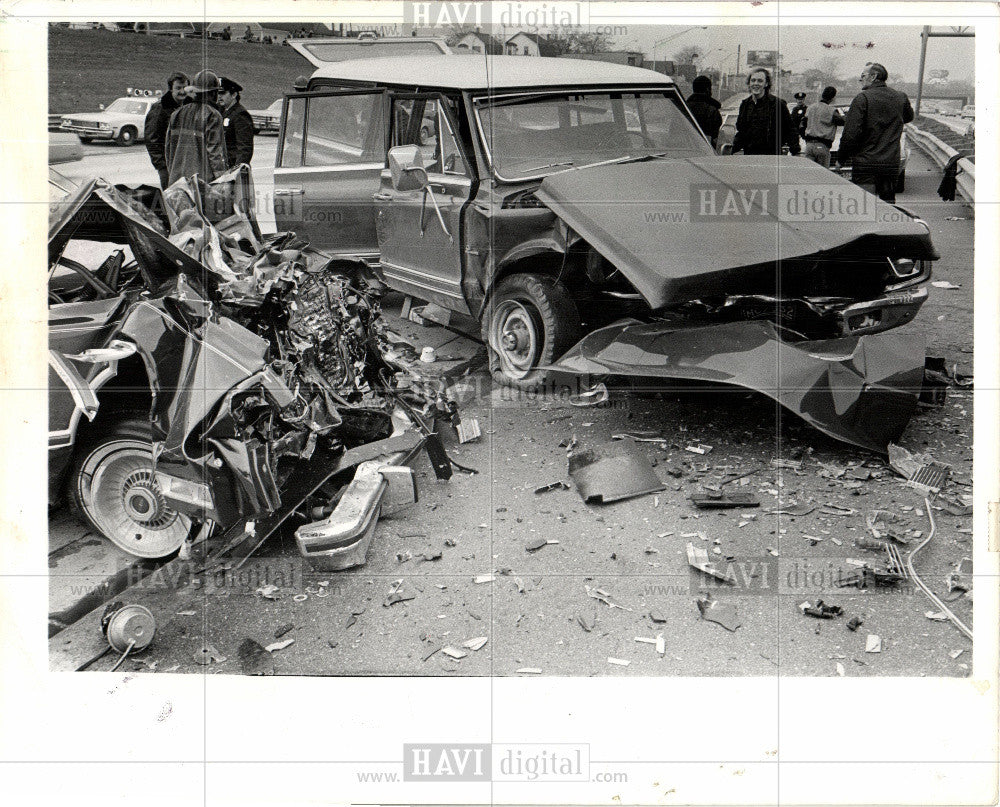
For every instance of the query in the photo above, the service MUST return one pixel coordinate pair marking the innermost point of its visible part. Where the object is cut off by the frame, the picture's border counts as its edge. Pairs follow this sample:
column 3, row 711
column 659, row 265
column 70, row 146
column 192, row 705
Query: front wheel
column 127, row 136
column 531, row 321
column 112, row 488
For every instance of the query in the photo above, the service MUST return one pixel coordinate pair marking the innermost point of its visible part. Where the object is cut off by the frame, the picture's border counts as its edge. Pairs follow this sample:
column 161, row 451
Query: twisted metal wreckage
column 271, row 376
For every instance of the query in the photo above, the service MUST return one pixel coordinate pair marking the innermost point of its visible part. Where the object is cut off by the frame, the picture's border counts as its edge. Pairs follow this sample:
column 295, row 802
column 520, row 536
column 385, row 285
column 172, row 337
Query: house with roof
column 527, row 43
column 478, row 42
column 633, row 58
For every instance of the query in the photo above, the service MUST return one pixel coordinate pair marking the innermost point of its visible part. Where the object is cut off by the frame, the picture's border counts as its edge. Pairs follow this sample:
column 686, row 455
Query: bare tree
column 579, row 42
column 829, row 66
column 688, row 54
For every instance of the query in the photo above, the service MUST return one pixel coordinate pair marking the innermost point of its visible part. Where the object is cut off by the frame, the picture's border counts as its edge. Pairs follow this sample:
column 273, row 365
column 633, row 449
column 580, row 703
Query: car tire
column 111, row 488
column 127, row 136
column 531, row 320
column 901, row 181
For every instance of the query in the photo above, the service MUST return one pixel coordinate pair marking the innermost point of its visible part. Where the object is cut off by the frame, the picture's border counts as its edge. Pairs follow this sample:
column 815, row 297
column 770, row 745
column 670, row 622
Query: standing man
column 157, row 120
column 705, row 108
column 798, row 112
column 821, row 122
column 195, row 140
column 763, row 125
column 237, row 124
column 872, row 130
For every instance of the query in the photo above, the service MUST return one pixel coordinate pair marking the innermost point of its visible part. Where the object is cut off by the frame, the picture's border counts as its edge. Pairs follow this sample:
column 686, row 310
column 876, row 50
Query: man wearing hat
column 195, row 140
column 237, row 124
column 798, row 113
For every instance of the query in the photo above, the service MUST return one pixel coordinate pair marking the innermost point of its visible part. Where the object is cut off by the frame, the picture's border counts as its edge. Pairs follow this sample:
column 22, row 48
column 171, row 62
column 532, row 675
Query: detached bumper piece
column 341, row 540
column 859, row 389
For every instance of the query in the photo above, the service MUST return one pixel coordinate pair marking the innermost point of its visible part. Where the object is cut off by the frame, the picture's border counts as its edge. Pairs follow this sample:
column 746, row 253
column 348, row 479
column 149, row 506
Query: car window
column 339, row 130
column 124, row 106
column 433, row 135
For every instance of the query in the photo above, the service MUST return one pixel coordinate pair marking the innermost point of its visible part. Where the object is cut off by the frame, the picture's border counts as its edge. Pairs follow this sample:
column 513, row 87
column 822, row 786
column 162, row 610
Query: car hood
column 89, row 117
column 655, row 220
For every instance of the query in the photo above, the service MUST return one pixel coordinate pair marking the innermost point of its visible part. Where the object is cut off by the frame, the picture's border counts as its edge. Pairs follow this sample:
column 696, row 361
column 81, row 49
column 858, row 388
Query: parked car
column 969, row 111
column 555, row 198
column 186, row 395
column 266, row 121
column 123, row 121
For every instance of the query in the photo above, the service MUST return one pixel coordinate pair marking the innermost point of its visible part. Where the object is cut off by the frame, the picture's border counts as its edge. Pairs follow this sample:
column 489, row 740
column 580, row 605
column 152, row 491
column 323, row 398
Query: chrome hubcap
column 515, row 338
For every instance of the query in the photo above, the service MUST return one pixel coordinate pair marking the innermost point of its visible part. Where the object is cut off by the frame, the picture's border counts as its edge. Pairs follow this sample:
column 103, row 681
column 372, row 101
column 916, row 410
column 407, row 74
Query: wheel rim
column 515, row 338
column 120, row 495
column 126, row 137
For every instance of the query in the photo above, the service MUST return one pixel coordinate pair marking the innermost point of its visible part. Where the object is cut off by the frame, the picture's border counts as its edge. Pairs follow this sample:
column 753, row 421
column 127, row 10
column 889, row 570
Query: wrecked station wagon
column 206, row 378
column 551, row 199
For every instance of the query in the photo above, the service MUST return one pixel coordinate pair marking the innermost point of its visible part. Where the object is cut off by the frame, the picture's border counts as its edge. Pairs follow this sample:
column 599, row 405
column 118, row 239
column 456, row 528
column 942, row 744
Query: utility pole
column 925, row 34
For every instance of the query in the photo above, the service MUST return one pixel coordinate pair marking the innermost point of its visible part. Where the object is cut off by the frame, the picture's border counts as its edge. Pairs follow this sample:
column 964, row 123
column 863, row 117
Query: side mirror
column 406, row 167
column 100, row 107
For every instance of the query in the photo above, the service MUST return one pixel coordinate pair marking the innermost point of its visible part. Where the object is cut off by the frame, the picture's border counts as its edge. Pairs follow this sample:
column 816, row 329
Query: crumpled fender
column 858, row 389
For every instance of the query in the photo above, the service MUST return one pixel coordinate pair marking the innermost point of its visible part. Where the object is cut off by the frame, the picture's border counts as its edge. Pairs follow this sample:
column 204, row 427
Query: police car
column 124, row 121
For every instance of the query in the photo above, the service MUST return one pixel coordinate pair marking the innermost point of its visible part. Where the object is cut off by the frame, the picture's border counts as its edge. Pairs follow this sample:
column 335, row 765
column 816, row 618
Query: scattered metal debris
column 454, row 652
column 854, row 623
column 722, row 613
column 612, row 472
column 821, row 610
column 698, row 559
column 271, row 648
column 595, row 396
column 603, row 596
column 618, row 661
column 873, row 644
column 254, row 659
column 713, row 500
column 560, row 485
column 207, row 654
column 698, row 448
column 468, row 430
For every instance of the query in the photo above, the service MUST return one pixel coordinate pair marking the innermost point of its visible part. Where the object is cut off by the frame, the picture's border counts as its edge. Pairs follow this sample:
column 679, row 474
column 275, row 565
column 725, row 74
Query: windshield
column 533, row 136
column 126, row 106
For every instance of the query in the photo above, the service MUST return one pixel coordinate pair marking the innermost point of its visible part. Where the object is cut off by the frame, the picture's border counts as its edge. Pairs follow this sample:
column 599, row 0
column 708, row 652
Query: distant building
column 478, row 42
column 633, row 58
column 525, row 43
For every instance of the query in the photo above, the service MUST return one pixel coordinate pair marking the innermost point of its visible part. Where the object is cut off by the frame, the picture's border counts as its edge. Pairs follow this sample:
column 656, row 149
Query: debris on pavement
column 535, row 544
column 560, row 485
column 475, row 644
column 920, row 470
column 595, row 396
column 698, row 448
column 840, row 670
column 612, row 472
column 468, row 430
column 283, row 630
column 873, row 644
column 483, row 578
column 698, row 558
column 271, row 648
column 722, row 613
column 936, row 616
column 944, row 284
column 603, row 596
column 587, row 623
column 207, row 654
column 396, row 594
column 661, row 644
column 956, row 653
column 254, row 659
column 714, row 500
column 454, row 652
column 791, row 464
column 854, row 623
column 529, row 670
column 269, row 592
column 820, row 610
column 657, row 618
column 618, row 661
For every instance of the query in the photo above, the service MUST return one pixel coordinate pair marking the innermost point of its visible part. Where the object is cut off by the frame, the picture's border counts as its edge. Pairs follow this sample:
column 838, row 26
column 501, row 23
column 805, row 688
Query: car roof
column 479, row 72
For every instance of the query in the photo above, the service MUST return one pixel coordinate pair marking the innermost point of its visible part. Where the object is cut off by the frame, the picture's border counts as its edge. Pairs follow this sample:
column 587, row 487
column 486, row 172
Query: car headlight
column 105, row 126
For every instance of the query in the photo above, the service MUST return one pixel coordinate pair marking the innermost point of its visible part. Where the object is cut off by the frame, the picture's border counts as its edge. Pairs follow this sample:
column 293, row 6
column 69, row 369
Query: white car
column 124, row 121
column 969, row 111
column 267, row 120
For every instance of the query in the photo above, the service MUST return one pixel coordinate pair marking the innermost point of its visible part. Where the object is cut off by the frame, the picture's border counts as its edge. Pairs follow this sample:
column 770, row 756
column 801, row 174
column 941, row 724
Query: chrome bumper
column 341, row 540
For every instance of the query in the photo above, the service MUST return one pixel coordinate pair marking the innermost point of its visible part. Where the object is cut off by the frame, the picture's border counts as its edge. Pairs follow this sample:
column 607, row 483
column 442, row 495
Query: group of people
column 198, row 127
column 870, row 141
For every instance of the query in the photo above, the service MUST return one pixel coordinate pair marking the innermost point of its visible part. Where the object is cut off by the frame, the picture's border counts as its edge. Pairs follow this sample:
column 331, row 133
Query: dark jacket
column 157, row 121
column 706, row 112
column 238, row 125
column 764, row 126
column 195, row 143
column 872, row 128
column 797, row 115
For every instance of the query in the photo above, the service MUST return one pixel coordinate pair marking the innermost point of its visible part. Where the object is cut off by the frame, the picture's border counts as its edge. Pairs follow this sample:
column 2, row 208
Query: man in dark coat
column 763, row 125
column 798, row 112
column 705, row 108
column 237, row 124
column 872, row 129
column 195, row 140
column 157, row 120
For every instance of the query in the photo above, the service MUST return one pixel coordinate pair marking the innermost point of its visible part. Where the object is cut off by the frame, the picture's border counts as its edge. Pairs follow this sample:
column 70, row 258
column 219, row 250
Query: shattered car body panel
column 859, row 389
column 259, row 357
column 644, row 218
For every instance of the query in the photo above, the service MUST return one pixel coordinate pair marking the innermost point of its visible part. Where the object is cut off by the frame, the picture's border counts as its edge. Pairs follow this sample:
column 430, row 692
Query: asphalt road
column 530, row 604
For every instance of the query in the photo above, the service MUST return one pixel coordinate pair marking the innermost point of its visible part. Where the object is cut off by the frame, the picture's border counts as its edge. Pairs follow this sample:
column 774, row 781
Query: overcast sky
column 896, row 47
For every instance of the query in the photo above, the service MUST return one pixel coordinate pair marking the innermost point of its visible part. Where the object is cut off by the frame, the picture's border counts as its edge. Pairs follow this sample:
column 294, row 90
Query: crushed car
column 556, row 201
column 206, row 378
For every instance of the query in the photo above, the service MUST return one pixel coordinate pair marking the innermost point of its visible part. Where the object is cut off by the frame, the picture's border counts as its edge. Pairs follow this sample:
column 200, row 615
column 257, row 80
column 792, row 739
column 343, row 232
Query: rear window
column 343, row 51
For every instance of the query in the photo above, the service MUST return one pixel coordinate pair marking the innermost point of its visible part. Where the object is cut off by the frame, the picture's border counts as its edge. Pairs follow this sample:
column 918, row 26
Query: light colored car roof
column 478, row 72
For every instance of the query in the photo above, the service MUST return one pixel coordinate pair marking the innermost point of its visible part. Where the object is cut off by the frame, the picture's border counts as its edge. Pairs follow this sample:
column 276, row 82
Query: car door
column 331, row 150
column 419, row 231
